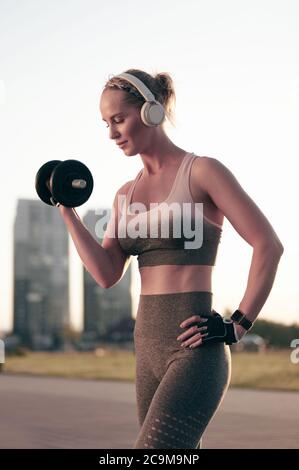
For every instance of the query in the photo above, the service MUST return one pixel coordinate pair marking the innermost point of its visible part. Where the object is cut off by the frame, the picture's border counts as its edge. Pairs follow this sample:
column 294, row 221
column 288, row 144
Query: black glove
column 219, row 329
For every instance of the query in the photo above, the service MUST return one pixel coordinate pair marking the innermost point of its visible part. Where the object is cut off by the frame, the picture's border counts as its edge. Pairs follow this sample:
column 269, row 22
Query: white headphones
column 152, row 112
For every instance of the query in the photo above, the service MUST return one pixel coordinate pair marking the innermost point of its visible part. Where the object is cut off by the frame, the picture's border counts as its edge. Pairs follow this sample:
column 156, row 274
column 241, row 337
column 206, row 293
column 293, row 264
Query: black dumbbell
column 69, row 182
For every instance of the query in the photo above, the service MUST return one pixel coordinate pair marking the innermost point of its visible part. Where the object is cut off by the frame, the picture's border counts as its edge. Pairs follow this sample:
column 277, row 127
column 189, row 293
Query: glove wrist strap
column 241, row 319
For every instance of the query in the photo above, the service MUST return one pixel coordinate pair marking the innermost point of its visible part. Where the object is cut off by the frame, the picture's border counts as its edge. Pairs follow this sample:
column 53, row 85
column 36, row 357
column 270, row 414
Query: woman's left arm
column 251, row 224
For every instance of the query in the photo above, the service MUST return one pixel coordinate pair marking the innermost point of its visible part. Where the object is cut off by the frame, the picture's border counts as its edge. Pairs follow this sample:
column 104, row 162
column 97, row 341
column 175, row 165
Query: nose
column 113, row 134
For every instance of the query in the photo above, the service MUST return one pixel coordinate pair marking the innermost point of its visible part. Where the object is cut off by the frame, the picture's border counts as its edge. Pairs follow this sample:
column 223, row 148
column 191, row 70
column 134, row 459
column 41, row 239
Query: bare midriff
column 175, row 278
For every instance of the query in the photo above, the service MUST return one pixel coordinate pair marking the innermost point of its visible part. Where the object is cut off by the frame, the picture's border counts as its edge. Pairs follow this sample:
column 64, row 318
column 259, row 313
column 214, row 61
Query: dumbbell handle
column 79, row 184
column 76, row 184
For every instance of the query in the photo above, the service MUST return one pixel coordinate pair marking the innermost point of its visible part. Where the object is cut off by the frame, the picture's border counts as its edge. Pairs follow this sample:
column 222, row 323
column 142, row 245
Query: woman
column 183, row 361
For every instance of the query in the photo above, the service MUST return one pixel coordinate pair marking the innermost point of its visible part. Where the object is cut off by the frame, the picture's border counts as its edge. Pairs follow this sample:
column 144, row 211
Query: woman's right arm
column 106, row 263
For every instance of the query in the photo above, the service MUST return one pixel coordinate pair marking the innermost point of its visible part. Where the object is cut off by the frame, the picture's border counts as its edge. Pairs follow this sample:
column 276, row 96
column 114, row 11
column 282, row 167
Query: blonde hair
column 161, row 85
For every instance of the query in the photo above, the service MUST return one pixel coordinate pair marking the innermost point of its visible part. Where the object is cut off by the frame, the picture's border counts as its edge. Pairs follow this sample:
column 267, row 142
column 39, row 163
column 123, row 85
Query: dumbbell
column 68, row 182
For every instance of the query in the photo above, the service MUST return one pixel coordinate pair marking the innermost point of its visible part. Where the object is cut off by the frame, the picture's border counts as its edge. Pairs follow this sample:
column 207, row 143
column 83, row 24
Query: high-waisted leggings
column 178, row 390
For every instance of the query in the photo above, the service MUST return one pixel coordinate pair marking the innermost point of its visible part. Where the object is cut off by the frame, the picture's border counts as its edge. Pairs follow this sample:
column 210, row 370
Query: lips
column 121, row 143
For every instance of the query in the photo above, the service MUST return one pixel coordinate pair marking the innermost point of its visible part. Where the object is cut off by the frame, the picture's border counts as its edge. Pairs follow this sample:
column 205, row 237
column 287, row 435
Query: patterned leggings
column 178, row 390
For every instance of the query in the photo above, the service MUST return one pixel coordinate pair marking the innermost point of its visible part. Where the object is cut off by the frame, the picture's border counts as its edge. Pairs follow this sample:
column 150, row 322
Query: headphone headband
column 143, row 90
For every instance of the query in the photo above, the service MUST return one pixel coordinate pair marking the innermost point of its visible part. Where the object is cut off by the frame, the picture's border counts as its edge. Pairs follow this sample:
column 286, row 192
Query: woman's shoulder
column 204, row 167
column 205, row 160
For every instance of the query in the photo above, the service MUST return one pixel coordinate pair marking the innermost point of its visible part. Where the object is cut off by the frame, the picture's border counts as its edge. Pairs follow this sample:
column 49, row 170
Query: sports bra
column 174, row 232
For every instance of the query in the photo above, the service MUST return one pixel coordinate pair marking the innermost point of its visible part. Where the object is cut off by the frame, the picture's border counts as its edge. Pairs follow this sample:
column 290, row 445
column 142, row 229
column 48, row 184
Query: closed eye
column 117, row 122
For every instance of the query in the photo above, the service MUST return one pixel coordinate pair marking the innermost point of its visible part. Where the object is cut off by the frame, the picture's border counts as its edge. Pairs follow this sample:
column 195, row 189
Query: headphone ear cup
column 152, row 113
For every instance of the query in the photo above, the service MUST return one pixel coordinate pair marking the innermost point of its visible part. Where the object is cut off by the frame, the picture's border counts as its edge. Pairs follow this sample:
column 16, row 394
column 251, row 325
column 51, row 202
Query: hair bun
column 164, row 80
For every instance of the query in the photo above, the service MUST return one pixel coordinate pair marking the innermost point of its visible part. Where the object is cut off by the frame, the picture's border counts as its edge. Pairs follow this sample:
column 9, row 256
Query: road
column 57, row 413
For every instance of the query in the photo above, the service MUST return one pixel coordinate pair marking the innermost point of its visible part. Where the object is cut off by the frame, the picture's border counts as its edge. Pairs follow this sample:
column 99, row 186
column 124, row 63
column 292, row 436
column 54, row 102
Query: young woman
column 183, row 361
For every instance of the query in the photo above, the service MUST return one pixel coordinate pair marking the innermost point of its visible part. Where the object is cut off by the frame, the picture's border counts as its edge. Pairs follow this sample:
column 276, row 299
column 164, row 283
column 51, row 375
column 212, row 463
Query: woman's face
column 124, row 122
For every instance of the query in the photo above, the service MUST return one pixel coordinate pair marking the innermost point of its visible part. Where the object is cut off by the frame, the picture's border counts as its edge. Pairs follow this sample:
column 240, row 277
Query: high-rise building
column 107, row 312
column 41, row 285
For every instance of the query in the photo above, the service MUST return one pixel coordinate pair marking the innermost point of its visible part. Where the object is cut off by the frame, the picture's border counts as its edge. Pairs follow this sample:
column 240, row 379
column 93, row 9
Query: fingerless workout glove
column 219, row 329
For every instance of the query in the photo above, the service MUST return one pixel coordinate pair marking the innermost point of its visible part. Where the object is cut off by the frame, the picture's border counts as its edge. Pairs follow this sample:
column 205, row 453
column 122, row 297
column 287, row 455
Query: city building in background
column 41, row 280
column 107, row 312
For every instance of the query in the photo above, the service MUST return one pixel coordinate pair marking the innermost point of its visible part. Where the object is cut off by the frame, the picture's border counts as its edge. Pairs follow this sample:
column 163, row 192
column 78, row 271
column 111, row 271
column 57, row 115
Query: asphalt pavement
column 57, row 413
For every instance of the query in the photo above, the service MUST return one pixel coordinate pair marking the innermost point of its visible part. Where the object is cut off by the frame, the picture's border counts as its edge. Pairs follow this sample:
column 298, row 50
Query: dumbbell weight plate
column 61, row 183
column 42, row 178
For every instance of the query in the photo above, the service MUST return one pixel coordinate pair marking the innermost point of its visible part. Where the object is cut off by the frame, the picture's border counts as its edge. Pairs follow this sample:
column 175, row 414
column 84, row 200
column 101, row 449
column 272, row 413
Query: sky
column 235, row 69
